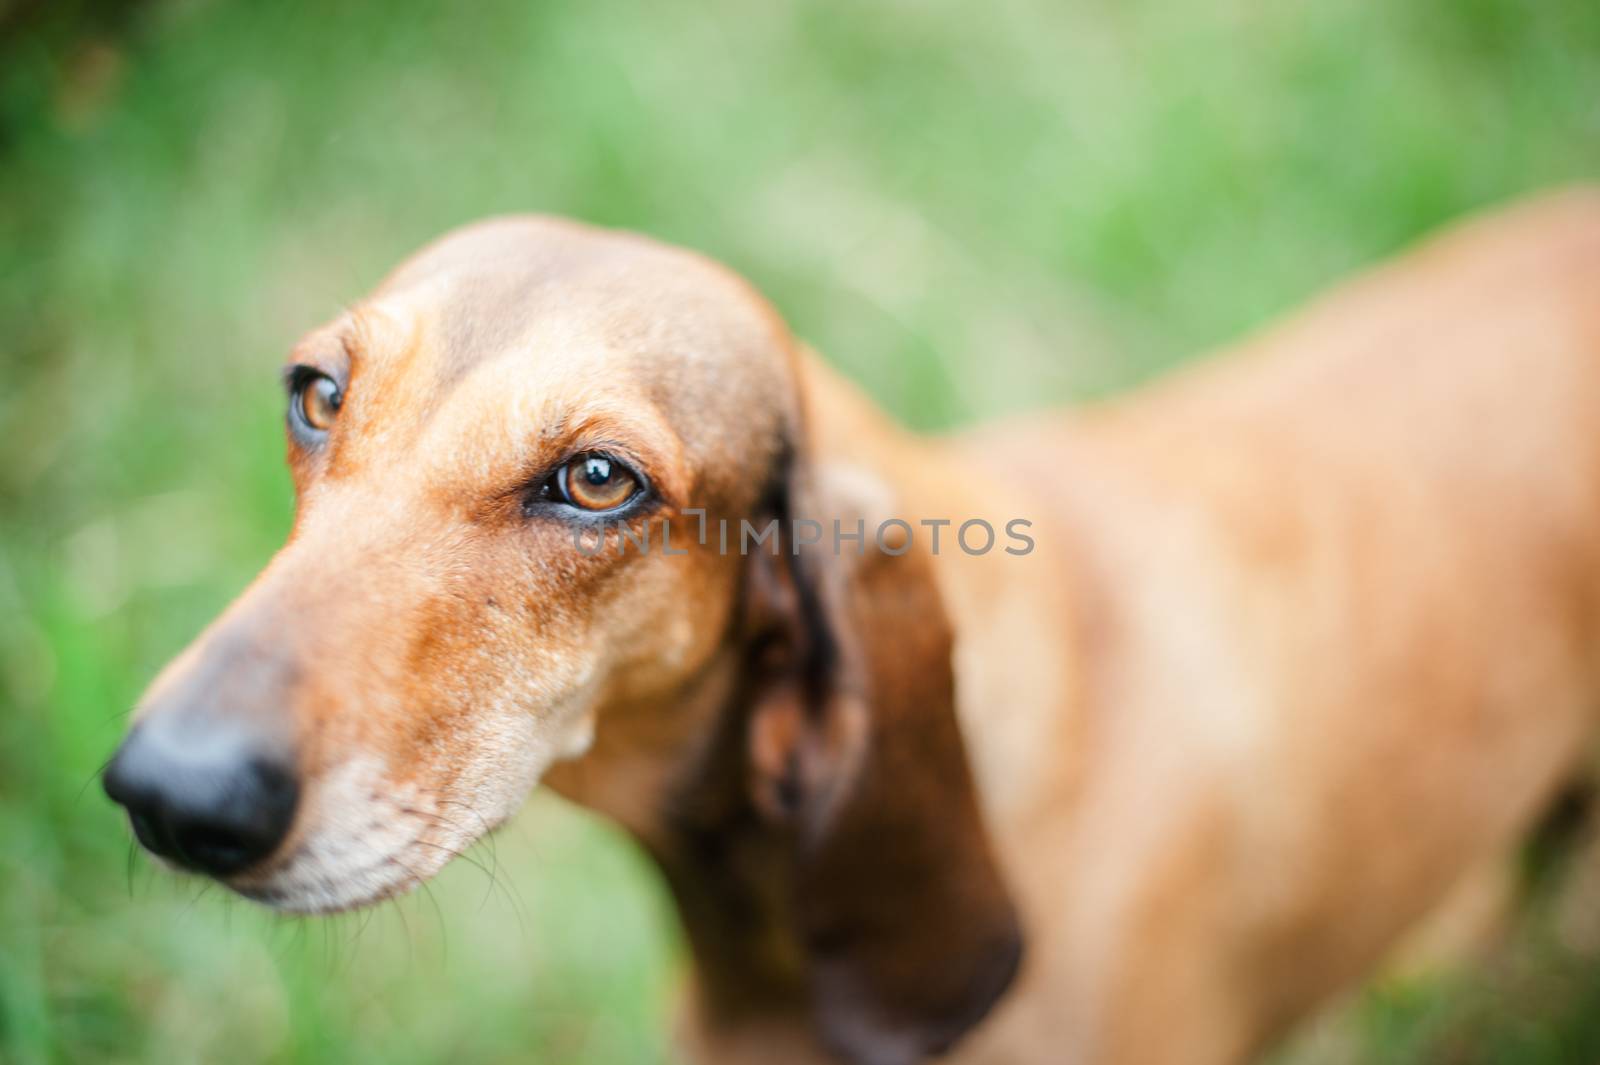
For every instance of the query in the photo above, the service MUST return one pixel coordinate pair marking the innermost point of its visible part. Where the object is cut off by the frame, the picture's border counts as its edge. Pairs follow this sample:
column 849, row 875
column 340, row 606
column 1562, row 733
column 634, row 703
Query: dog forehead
column 536, row 304
column 487, row 286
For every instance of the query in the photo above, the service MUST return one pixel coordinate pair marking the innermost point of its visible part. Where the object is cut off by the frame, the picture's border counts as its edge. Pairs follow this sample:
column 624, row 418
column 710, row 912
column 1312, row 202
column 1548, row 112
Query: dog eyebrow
column 577, row 433
column 332, row 350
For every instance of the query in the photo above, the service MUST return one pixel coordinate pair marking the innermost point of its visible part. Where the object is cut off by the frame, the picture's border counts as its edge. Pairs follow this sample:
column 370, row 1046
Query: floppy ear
column 909, row 932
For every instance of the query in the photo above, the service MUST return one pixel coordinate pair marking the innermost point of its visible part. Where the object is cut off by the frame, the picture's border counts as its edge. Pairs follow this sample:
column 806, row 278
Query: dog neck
column 728, row 869
column 730, row 873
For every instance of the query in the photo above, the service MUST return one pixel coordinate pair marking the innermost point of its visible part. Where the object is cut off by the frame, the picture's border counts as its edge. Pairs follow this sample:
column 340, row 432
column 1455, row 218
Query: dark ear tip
column 861, row 1031
column 993, row 976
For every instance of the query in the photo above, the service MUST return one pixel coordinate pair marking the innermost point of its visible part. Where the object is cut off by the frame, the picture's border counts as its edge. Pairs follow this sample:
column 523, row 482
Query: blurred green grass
column 973, row 210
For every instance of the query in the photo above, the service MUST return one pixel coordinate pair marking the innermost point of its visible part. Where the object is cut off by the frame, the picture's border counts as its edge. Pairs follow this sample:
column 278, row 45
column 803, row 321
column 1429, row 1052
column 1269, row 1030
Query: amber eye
column 315, row 402
column 597, row 482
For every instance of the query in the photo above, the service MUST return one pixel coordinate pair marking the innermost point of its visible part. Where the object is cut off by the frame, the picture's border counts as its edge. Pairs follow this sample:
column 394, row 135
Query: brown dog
column 1255, row 669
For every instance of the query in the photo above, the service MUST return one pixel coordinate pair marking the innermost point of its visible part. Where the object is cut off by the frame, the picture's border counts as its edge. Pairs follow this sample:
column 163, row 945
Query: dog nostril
column 216, row 849
column 238, row 828
column 147, row 830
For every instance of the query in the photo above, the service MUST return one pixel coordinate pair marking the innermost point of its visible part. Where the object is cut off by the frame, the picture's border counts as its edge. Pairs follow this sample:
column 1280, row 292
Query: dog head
column 506, row 461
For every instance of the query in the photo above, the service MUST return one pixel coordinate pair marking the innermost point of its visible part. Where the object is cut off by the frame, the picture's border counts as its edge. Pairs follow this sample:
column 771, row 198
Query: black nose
column 210, row 796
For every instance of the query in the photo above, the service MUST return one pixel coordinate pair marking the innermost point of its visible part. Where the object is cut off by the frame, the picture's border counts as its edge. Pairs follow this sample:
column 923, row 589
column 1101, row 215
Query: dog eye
column 315, row 401
column 596, row 482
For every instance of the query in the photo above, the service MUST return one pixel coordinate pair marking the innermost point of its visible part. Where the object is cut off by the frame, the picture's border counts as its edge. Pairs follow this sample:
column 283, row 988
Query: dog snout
column 213, row 797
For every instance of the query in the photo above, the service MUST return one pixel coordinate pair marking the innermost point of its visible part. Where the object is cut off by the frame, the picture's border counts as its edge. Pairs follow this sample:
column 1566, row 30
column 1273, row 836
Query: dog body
column 1323, row 648
column 1304, row 644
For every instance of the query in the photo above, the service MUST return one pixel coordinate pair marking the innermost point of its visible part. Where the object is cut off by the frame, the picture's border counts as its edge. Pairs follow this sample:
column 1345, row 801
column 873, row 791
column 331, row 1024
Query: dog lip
column 324, row 893
column 285, row 899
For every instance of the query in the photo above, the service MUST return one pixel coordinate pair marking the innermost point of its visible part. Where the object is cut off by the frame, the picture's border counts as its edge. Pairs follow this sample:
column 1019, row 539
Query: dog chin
column 322, row 893
column 333, row 873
